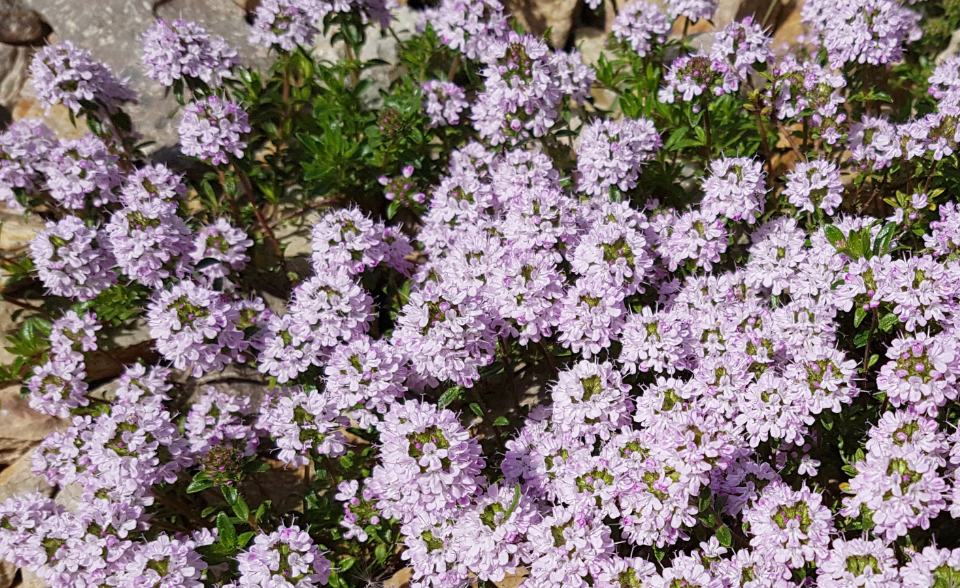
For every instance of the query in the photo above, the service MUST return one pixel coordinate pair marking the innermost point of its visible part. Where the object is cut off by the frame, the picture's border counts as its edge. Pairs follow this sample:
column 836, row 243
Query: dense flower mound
column 688, row 317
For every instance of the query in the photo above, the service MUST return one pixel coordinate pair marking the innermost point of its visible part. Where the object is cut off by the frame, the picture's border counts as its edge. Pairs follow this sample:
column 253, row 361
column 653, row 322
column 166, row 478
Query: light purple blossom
column 611, row 154
column 195, row 328
column 185, row 51
column 443, row 102
column 815, row 184
column 71, row 259
column 65, row 74
column 305, row 424
column 213, row 130
column 641, row 25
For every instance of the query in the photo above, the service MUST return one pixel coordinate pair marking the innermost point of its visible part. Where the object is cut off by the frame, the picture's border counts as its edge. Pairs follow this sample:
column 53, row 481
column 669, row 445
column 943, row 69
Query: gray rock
column 21, row 428
column 377, row 46
column 17, row 480
column 7, row 574
column 19, row 25
column 112, row 31
column 538, row 16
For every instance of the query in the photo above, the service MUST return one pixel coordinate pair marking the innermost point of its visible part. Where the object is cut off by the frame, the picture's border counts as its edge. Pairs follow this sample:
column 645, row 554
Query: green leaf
column 724, row 536
column 834, row 235
column 255, row 466
column 228, row 533
column 380, row 553
column 888, row 321
column 209, row 511
column 658, row 553
column 230, row 494
column 392, row 209
column 475, row 408
column 855, row 243
column 346, row 564
column 198, row 486
column 261, row 510
column 245, row 538
column 858, row 316
column 861, row 339
column 451, row 396
column 882, row 243
column 241, row 509
column 873, row 359
column 501, row 422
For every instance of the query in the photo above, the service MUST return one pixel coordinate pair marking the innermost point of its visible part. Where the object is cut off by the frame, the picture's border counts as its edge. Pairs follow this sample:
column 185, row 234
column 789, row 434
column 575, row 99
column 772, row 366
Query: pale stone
column 21, row 427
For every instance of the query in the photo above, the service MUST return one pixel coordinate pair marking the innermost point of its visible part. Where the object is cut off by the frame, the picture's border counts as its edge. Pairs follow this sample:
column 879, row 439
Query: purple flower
column 862, row 31
column 163, row 562
column 944, row 236
column 58, row 386
column 569, row 543
column 65, row 74
column 133, row 447
column 71, row 335
column 815, row 184
column 735, row 189
column 429, row 462
column 151, row 243
column 195, row 328
column 692, row 9
column 287, row 351
column 921, row 372
column 929, row 567
column 900, row 486
column 611, row 154
column 24, row 150
column 658, row 341
column 590, row 400
column 574, row 77
column 212, row 130
column 443, row 102
column 82, row 169
column 696, row 236
column 526, row 287
column 776, row 255
column 184, row 50
column 305, row 425
column 223, row 243
column 469, row 27
column 492, row 532
column 790, row 527
column 591, row 315
column 858, row 562
column 284, row 24
column 347, row 240
column 218, row 418
column 330, row 308
column 522, row 90
column 744, row 45
column 286, row 557
column 800, row 86
column 446, row 333
column 71, row 259
column 365, row 373
column 751, row 568
column 640, row 25
column 403, row 190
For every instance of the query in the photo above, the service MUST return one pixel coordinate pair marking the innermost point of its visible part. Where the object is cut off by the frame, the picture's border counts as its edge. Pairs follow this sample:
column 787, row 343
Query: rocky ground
column 111, row 30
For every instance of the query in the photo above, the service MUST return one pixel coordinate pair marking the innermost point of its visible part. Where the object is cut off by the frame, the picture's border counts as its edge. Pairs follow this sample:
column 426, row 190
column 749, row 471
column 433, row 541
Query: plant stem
column 509, row 372
column 268, row 232
column 866, row 351
column 793, row 143
column 453, row 67
column 706, row 124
